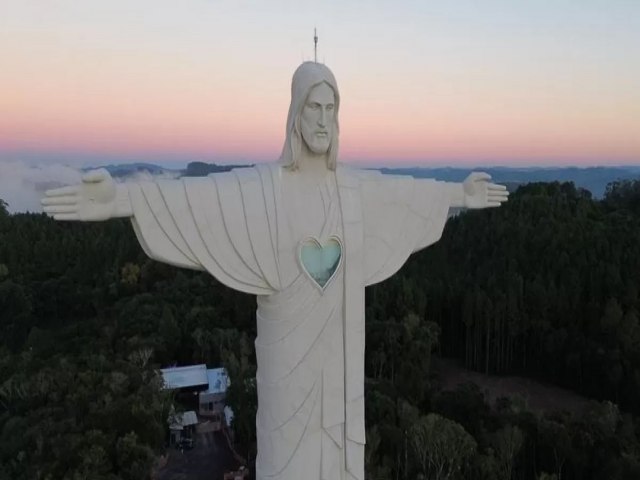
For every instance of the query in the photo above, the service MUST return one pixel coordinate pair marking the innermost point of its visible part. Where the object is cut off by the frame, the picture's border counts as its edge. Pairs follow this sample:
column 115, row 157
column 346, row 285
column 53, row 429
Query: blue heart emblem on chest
column 321, row 262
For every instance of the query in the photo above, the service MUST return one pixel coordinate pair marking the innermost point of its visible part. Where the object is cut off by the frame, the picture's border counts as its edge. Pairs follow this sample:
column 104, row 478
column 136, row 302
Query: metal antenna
column 315, row 45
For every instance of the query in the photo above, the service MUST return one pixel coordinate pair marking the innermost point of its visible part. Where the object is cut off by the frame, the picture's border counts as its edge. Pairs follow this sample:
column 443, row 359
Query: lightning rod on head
column 315, row 45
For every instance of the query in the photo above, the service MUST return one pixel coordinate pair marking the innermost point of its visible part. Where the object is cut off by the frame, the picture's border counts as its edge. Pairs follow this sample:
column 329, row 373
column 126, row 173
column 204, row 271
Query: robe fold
column 310, row 342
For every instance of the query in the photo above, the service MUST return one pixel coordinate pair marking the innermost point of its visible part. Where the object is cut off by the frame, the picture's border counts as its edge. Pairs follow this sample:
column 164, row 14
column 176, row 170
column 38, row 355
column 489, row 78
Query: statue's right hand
column 93, row 200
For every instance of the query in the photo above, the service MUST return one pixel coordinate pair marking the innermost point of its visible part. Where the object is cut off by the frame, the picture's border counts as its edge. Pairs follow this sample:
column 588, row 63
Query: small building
column 212, row 400
column 182, row 426
column 201, row 389
column 189, row 377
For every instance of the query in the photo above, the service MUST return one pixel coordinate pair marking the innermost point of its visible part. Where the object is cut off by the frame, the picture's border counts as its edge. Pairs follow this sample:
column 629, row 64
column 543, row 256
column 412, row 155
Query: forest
column 546, row 287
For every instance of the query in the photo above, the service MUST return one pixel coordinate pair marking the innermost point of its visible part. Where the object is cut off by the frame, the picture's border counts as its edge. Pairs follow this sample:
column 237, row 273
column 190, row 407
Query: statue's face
column 317, row 119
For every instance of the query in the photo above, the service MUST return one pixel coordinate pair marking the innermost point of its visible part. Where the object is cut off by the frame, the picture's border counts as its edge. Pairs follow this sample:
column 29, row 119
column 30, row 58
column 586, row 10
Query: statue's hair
column 307, row 76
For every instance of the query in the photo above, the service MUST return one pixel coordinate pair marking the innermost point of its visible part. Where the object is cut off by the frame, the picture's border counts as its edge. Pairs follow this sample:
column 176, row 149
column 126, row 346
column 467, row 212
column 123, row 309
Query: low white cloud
column 22, row 185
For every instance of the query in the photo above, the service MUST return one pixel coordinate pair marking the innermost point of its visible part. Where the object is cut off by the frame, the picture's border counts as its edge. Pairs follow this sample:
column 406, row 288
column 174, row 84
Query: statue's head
column 313, row 115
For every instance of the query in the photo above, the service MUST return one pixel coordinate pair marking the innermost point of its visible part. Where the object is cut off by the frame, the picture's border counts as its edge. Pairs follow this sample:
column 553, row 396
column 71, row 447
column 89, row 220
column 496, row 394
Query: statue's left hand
column 479, row 192
column 95, row 199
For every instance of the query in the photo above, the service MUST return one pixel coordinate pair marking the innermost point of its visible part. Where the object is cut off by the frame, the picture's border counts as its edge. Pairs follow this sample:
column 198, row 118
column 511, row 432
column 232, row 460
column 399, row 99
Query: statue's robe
column 310, row 343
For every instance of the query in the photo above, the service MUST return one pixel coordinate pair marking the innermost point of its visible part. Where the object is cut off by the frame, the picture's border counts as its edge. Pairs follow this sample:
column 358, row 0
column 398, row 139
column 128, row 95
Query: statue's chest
column 314, row 223
column 308, row 215
column 312, row 208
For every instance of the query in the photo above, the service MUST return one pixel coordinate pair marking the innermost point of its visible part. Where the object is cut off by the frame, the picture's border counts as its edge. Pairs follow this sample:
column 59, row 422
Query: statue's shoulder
column 385, row 178
column 358, row 174
column 236, row 174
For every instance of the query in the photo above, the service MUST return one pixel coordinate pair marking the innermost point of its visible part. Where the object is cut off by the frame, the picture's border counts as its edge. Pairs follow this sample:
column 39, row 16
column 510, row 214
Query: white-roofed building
column 178, row 421
column 212, row 401
column 191, row 376
column 218, row 380
column 209, row 385
column 182, row 426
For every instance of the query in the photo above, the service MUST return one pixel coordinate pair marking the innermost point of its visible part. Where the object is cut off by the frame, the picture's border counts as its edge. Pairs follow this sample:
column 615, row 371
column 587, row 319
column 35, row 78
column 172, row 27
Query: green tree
column 556, row 436
column 242, row 395
column 507, row 442
column 134, row 459
column 441, row 447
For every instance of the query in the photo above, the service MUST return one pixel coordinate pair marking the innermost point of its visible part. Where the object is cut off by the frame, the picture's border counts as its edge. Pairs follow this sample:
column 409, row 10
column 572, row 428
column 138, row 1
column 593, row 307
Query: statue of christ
column 306, row 235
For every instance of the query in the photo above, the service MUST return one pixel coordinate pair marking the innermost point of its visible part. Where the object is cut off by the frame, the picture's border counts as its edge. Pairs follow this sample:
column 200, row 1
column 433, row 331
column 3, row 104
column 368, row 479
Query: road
column 208, row 460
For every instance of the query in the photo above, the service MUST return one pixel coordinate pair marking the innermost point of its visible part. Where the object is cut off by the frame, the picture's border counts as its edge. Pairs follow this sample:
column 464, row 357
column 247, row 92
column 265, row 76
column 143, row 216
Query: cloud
column 23, row 185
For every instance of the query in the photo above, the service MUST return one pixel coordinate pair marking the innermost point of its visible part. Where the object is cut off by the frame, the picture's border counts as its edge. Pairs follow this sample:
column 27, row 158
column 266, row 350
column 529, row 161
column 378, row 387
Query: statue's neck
column 313, row 163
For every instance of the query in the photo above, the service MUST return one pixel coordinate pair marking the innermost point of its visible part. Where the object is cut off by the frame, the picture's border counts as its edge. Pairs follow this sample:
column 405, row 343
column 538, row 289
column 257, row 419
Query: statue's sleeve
column 402, row 215
column 217, row 224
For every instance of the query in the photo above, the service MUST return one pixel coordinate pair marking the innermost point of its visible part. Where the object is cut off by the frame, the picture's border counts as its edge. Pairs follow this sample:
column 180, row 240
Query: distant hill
column 202, row 169
column 594, row 179
column 194, row 169
column 128, row 169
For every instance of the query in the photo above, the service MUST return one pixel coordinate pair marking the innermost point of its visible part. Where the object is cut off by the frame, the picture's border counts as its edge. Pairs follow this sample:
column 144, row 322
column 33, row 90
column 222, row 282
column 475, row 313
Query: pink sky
column 202, row 80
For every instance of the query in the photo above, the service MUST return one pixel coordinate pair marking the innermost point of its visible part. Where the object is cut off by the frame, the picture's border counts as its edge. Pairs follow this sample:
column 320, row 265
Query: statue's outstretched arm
column 477, row 192
column 97, row 198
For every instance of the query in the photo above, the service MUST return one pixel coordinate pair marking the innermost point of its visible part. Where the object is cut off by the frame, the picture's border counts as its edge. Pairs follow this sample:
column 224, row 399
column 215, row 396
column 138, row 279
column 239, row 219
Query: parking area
column 209, row 458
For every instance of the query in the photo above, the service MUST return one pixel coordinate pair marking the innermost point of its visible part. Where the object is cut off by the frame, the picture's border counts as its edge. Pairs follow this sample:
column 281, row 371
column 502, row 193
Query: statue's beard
column 318, row 145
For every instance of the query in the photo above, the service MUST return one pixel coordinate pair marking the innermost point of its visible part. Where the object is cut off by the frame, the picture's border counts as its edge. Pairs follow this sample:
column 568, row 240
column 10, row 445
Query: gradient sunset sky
column 518, row 82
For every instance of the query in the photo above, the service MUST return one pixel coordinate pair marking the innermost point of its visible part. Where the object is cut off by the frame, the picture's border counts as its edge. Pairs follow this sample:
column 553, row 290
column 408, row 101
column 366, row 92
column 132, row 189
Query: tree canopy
column 546, row 287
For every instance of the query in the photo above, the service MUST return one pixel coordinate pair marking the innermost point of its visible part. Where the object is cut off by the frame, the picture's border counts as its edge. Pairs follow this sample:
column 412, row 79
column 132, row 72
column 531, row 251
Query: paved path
column 208, row 460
